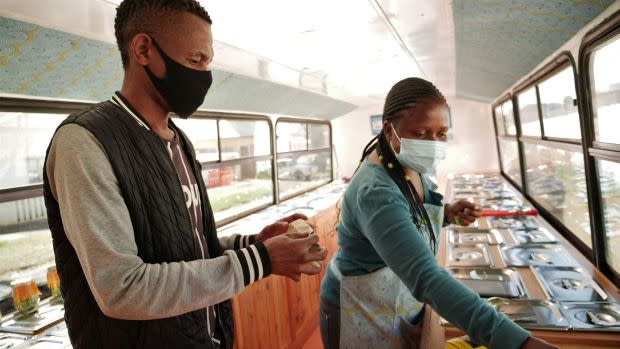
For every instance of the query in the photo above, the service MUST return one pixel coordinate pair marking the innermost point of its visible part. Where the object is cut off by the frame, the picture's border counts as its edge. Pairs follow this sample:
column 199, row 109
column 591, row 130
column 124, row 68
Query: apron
column 376, row 309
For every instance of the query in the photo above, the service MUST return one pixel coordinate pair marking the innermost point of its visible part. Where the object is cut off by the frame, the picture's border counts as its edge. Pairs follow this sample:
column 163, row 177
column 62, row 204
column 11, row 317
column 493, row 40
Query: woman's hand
column 462, row 213
column 535, row 343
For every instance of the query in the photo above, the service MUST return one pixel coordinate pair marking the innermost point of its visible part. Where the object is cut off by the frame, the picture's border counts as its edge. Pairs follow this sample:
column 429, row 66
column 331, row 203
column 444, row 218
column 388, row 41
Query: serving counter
column 568, row 329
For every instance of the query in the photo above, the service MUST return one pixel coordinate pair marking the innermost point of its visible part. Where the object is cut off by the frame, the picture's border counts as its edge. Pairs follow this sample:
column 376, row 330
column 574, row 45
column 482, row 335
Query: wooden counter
column 278, row 313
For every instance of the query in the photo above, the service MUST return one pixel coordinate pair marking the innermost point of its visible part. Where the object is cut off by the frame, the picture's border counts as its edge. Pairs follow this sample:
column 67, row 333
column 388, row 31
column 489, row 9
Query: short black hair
column 146, row 16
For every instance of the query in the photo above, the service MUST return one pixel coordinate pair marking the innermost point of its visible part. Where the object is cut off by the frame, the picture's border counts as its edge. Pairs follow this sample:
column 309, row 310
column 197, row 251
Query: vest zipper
column 189, row 218
column 189, row 215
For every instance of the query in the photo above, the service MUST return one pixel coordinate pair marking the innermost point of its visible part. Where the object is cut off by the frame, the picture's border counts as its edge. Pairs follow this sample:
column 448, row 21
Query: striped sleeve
column 255, row 262
column 237, row 242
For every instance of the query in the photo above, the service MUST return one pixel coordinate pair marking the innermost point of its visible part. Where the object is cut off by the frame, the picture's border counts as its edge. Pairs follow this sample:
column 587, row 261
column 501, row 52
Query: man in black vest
column 133, row 231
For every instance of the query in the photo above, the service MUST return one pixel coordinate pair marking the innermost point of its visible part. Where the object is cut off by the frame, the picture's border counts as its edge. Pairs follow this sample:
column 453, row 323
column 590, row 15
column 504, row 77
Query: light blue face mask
column 420, row 156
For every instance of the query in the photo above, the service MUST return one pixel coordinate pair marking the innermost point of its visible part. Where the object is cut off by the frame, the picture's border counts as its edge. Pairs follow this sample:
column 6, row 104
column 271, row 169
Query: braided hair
column 401, row 97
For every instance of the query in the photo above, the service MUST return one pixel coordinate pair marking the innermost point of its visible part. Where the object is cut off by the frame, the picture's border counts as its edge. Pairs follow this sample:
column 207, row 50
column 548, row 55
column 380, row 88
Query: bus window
column 203, row 134
column 318, row 136
column 24, row 138
column 242, row 181
column 558, row 105
column 509, row 118
column 605, row 75
column 244, row 138
column 499, row 121
column 528, row 113
column 556, row 180
column 25, row 240
column 509, row 152
column 304, row 156
column 609, row 174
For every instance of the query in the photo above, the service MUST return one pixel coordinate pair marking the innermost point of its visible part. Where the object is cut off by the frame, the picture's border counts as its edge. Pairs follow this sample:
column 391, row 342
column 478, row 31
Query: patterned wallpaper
column 43, row 62
column 38, row 61
column 499, row 41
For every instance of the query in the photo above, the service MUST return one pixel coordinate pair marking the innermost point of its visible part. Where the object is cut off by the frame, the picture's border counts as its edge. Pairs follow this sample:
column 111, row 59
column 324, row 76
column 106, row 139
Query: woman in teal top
column 376, row 286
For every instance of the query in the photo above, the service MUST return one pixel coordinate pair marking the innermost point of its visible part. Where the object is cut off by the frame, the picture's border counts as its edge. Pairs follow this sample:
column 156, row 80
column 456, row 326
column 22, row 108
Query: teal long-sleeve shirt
column 376, row 230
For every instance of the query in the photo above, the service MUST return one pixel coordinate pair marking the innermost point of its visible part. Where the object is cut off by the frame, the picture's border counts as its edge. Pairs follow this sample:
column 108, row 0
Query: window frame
column 538, row 108
column 206, row 165
column 594, row 150
column 506, row 99
column 562, row 61
column 28, row 105
column 67, row 107
column 307, row 151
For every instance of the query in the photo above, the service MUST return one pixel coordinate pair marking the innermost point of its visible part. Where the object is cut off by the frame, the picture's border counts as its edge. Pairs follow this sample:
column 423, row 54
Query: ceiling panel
column 499, row 41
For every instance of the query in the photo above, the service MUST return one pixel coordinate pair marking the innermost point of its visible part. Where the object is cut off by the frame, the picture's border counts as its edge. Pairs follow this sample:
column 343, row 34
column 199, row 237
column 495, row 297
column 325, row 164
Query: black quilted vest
column 163, row 233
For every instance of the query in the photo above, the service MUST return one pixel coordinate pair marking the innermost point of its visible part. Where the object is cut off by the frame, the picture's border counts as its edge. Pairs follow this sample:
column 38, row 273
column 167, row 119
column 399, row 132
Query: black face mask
column 183, row 88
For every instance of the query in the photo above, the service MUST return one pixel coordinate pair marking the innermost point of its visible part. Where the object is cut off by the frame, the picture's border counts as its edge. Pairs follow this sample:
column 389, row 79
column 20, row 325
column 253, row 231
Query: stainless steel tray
column 59, row 330
column 490, row 202
column 513, row 222
column 474, row 226
column 571, row 284
column 471, row 193
column 490, row 282
column 532, row 314
column 474, row 236
column 469, row 255
column 533, row 236
column 537, row 254
column 502, row 194
column 505, row 207
column 46, row 342
column 591, row 316
column 11, row 340
column 47, row 315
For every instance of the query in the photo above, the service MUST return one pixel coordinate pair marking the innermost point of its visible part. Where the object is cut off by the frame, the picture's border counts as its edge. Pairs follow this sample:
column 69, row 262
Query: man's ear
column 140, row 49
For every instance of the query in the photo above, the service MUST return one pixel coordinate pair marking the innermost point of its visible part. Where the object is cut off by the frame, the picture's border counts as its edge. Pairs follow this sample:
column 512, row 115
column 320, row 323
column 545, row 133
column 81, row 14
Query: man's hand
column 279, row 227
column 462, row 213
column 292, row 254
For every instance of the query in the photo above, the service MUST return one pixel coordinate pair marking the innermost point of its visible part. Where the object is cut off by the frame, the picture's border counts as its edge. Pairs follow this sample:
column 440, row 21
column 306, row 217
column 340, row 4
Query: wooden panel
column 262, row 315
column 277, row 312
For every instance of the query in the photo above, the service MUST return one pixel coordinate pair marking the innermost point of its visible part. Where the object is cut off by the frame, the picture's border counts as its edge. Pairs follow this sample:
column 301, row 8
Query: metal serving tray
column 506, row 207
column 469, row 255
column 570, row 284
column 503, row 194
column 11, row 340
column 533, row 236
column 591, row 316
column 473, row 236
column 537, row 254
column 474, row 226
column 471, row 193
column 47, row 315
column 490, row 282
column 47, row 342
column 513, row 222
column 508, row 202
column 532, row 314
